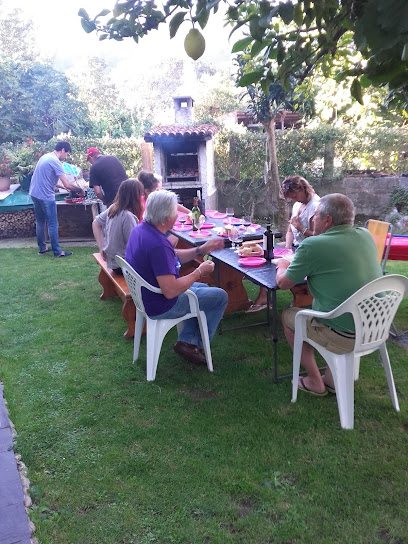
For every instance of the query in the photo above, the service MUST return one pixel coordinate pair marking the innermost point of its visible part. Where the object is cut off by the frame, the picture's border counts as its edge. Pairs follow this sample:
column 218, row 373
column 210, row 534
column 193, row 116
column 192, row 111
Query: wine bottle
column 201, row 203
column 268, row 243
column 195, row 210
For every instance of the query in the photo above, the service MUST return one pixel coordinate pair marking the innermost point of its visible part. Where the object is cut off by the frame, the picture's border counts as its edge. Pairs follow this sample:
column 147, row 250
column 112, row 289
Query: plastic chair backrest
column 135, row 283
column 382, row 234
column 373, row 308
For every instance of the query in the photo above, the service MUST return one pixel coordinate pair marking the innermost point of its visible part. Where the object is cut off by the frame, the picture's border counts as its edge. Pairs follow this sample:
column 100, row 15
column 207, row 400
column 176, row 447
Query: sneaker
column 190, row 353
column 65, row 254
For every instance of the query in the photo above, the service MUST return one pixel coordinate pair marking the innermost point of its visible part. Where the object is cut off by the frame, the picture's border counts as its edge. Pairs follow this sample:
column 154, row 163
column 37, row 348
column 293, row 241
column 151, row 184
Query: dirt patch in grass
column 48, row 296
column 401, row 340
column 198, row 396
column 384, row 535
column 245, row 508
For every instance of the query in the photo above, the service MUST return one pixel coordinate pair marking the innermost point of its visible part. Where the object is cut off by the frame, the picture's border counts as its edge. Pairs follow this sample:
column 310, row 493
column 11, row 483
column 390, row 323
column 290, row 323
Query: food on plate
column 225, row 230
column 250, row 249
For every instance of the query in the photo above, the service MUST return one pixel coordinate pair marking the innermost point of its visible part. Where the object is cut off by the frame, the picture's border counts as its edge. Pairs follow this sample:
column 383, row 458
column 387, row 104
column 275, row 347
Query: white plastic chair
column 156, row 329
column 372, row 316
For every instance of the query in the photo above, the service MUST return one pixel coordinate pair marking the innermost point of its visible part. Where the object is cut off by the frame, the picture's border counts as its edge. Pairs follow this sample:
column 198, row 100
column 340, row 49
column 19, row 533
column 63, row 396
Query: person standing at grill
column 105, row 175
column 48, row 172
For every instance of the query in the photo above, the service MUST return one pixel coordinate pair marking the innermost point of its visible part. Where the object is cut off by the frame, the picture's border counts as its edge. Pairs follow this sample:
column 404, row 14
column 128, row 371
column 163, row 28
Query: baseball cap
column 92, row 151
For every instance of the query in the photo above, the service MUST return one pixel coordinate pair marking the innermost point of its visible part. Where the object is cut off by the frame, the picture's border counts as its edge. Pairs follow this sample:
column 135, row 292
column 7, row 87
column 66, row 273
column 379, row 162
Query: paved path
column 14, row 526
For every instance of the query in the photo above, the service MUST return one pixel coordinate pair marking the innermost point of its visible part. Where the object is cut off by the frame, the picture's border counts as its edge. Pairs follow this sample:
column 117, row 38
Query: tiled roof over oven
column 177, row 132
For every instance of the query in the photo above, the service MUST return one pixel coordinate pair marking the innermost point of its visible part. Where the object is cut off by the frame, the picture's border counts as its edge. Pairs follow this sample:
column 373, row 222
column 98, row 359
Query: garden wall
column 371, row 195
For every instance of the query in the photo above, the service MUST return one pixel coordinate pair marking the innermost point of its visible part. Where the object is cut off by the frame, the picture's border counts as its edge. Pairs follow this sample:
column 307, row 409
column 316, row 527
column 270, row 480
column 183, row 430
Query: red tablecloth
column 399, row 248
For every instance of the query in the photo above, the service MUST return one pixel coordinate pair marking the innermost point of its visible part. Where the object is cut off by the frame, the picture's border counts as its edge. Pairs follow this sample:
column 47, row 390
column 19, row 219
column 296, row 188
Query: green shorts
column 321, row 333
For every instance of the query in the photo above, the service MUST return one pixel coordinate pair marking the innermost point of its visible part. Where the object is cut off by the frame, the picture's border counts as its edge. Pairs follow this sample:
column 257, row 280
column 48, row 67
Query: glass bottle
column 195, row 210
column 268, row 243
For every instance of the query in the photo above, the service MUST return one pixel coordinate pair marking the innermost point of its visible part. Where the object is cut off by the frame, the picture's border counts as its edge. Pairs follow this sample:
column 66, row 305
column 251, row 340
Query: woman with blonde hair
column 305, row 200
column 112, row 227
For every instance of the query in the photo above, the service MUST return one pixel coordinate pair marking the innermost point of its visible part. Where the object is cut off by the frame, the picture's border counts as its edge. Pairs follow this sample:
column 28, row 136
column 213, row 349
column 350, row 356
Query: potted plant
column 24, row 162
column 5, row 173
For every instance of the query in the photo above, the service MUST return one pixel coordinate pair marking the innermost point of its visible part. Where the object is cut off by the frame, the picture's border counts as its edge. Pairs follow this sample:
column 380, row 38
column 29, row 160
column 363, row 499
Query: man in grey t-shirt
column 47, row 173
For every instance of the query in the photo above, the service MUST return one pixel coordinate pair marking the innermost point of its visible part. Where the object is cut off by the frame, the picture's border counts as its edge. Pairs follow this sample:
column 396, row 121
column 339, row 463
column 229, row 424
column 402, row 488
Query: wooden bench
column 115, row 285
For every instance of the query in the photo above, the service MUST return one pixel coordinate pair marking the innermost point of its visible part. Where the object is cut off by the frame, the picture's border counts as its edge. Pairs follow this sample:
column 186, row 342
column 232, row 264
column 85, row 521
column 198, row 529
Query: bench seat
column 115, row 285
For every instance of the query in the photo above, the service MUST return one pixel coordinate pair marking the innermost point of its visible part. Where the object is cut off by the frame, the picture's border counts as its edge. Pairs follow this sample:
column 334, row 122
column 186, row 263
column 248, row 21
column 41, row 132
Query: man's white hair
column 160, row 206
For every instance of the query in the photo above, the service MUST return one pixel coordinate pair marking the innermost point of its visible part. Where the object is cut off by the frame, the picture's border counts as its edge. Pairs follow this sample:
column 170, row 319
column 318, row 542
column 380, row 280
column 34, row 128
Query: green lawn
column 193, row 457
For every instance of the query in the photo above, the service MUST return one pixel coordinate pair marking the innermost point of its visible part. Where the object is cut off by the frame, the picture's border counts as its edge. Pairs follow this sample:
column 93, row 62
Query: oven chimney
column 183, row 110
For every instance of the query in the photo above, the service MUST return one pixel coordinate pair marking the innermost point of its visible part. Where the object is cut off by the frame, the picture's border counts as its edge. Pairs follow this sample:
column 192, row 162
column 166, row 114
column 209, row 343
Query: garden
column 197, row 457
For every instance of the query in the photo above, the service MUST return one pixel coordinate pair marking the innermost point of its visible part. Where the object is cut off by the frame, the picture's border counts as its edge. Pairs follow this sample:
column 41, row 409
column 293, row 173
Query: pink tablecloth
column 398, row 249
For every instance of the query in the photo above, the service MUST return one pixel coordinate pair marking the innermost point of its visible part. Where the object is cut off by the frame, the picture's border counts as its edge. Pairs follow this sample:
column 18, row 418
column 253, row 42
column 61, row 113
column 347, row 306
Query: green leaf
column 250, row 78
column 203, row 19
column 365, row 81
column 257, row 47
column 256, row 31
column 286, row 12
column 102, row 37
column 103, row 13
column 82, row 13
column 88, row 26
column 298, row 14
column 265, row 83
column 356, row 92
column 266, row 19
column 241, row 45
column 281, row 53
column 176, row 22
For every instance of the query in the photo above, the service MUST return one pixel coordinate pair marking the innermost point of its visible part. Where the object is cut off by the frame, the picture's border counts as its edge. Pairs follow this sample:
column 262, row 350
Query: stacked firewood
column 19, row 224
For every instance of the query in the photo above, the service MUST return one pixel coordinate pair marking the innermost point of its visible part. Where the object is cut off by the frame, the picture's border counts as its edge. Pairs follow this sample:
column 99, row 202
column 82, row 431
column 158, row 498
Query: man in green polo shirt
column 337, row 262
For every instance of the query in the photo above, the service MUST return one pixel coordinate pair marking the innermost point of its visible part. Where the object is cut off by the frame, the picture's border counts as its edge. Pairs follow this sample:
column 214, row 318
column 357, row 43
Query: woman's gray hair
column 160, row 206
column 339, row 207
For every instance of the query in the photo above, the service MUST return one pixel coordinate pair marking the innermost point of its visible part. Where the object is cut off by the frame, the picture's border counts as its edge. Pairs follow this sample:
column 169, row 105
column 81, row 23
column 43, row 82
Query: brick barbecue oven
column 184, row 155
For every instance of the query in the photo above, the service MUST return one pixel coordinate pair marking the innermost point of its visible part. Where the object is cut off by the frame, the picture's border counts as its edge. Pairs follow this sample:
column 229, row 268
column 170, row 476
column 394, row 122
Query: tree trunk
column 328, row 168
column 274, row 200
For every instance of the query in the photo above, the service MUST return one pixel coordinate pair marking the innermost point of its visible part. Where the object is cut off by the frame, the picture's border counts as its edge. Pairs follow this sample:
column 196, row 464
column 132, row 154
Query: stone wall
column 371, row 195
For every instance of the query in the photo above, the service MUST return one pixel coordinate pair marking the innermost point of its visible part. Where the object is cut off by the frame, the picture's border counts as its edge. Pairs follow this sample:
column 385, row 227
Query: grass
column 193, row 457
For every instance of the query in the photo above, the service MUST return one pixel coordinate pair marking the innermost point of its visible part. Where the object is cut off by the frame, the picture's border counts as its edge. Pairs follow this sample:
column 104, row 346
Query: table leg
column 231, row 281
column 129, row 314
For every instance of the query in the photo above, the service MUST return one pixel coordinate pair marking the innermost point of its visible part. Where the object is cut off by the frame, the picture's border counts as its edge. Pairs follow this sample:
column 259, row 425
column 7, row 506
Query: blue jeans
column 211, row 300
column 46, row 211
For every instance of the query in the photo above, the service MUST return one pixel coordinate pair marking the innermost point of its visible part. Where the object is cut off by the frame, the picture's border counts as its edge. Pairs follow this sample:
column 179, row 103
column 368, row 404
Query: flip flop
column 307, row 390
column 45, row 251
column 255, row 308
column 330, row 389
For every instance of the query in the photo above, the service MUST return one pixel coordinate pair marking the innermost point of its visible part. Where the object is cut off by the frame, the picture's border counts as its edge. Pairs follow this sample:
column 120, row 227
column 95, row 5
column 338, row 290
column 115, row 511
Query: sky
column 60, row 36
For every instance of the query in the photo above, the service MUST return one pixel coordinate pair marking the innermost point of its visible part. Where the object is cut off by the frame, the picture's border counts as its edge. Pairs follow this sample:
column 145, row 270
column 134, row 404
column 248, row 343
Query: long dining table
column 230, row 273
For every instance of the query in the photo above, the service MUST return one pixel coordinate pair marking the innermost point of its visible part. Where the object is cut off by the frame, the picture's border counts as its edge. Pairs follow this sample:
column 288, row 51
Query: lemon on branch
column 194, row 44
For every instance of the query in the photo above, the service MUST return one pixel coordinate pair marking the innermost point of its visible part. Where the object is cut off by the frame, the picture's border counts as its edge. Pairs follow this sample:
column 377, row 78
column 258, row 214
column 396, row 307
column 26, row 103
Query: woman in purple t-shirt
column 153, row 257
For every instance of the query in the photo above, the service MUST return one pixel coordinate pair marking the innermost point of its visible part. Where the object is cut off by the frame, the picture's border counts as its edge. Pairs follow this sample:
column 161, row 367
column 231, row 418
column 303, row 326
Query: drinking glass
column 239, row 240
column 230, row 213
column 182, row 218
column 246, row 221
column 199, row 222
column 233, row 236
